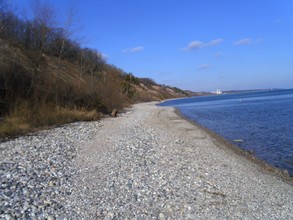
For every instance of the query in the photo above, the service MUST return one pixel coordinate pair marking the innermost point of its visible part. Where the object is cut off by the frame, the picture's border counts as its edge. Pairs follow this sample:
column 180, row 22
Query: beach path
column 150, row 163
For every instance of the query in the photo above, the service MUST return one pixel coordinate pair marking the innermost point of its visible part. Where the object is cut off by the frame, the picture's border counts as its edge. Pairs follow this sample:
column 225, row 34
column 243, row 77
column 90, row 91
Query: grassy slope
column 29, row 100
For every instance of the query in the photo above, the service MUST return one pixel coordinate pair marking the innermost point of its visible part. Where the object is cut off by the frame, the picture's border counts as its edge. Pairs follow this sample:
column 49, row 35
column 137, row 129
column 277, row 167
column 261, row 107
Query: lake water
column 260, row 122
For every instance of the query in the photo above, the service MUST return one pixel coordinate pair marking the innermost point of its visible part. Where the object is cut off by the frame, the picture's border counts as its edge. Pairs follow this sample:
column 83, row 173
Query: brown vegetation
column 46, row 78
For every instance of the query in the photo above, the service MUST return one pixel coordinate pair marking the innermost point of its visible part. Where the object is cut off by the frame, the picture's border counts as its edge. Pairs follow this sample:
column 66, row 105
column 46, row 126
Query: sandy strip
column 152, row 164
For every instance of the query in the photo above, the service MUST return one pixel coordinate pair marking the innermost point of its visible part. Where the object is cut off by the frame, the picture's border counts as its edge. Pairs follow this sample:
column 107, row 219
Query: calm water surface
column 261, row 122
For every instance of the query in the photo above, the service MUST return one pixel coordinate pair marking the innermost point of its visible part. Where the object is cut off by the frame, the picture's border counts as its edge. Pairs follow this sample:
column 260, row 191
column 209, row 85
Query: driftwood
column 114, row 112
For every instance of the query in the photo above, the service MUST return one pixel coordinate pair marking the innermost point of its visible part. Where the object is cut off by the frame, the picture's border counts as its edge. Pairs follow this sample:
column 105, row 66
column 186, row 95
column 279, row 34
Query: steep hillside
column 59, row 92
column 18, row 77
column 46, row 78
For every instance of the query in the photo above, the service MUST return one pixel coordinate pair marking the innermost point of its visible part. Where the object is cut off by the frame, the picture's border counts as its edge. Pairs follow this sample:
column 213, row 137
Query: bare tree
column 2, row 24
column 96, row 64
column 82, row 62
column 39, row 32
column 66, row 31
column 2, row 10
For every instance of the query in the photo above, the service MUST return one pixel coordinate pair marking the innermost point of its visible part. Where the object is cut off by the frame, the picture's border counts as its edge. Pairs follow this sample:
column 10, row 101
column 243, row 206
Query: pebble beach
column 148, row 163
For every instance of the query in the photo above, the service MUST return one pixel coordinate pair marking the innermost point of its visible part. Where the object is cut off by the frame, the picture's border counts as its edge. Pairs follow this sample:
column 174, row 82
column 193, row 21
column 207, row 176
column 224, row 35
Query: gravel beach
column 148, row 163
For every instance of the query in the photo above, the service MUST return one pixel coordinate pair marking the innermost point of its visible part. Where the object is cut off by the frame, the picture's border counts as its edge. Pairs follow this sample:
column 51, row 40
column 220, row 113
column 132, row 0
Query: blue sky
column 201, row 45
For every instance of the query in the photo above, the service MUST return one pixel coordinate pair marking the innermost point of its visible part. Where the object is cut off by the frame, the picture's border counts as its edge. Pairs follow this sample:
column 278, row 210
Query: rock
column 9, row 217
column 109, row 216
column 50, row 217
column 36, row 171
column 114, row 112
column 161, row 216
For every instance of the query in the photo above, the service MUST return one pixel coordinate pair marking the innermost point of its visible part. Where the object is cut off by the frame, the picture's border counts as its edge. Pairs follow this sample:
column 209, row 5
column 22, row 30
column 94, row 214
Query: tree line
column 43, row 69
column 46, row 49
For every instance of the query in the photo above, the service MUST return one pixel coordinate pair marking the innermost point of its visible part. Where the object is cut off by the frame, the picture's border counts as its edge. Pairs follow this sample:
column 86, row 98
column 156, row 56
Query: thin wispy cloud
column 204, row 66
column 136, row 49
column 193, row 45
column 214, row 42
column 247, row 41
column 133, row 50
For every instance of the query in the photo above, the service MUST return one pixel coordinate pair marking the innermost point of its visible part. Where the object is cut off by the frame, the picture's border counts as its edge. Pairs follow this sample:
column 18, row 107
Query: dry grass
column 11, row 126
column 25, row 119
column 65, row 115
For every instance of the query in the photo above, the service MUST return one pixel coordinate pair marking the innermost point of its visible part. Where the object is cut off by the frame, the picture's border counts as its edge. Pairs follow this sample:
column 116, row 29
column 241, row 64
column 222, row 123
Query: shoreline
column 148, row 163
column 264, row 166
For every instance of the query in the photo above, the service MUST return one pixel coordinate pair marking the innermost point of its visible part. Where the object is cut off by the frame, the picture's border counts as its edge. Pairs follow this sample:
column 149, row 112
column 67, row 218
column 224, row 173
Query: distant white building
column 218, row 92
